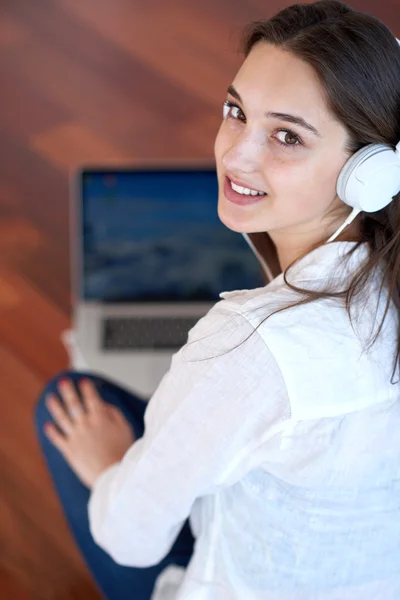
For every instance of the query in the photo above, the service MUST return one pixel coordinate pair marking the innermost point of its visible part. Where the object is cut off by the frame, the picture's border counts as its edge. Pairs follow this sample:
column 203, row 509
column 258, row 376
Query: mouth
column 238, row 198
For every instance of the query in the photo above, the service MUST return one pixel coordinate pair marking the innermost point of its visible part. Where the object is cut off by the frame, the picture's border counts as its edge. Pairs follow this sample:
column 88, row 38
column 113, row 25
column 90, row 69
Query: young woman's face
column 296, row 167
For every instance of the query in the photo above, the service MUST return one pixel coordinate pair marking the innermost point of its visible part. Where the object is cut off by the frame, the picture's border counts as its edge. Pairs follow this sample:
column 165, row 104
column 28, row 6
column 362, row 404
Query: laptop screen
column 156, row 236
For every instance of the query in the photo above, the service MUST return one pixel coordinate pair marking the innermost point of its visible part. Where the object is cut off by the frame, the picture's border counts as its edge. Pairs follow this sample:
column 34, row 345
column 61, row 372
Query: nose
column 245, row 153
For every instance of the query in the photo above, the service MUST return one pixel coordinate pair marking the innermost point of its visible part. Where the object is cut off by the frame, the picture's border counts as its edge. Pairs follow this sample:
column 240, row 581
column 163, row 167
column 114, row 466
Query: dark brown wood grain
column 85, row 81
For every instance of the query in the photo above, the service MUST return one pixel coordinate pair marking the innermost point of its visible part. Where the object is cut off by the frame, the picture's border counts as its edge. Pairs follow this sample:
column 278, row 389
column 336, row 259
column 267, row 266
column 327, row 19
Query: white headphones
column 369, row 180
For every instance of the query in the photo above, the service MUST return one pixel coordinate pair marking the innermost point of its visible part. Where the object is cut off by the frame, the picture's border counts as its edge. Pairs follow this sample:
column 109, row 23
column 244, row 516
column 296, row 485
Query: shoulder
column 320, row 351
column 222, row 328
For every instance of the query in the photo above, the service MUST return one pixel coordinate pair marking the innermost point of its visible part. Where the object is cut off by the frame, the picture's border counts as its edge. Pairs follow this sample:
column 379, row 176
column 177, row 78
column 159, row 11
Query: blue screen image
column 155, row 236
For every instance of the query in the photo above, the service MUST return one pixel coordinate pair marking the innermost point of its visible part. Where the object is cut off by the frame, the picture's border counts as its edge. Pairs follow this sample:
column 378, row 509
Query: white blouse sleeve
column 202, row 426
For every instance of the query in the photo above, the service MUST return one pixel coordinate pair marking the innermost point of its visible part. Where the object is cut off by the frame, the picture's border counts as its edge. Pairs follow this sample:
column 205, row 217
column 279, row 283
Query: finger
column 73, row 403
column 120, row 417
column 108, row 409
column 56, row 438
column 59, row 414
column 91, row 398
column 115, row 412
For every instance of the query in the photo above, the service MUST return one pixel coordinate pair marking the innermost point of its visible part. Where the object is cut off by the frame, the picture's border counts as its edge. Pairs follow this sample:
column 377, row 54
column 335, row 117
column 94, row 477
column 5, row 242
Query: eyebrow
column 277, row 115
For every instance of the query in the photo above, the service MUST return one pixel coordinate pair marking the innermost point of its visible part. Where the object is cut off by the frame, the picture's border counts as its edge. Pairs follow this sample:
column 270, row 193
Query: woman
column 276, row 429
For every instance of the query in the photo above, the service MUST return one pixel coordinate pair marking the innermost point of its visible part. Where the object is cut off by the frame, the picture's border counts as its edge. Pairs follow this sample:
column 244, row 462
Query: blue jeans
column 114, row 581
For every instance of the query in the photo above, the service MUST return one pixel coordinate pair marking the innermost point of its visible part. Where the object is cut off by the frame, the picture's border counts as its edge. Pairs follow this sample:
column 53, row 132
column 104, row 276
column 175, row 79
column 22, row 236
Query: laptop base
column 137, row 375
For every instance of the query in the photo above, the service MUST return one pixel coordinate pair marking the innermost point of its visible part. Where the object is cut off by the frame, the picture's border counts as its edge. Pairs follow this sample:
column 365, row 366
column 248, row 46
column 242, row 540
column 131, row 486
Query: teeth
column 245, row 191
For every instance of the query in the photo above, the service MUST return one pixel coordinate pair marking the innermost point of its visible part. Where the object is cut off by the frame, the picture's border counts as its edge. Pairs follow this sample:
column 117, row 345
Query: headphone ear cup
column 346, row 171
column 370, row 178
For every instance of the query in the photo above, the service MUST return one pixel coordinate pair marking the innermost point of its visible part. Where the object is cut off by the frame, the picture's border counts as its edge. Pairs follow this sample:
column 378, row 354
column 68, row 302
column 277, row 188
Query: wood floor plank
column 185, row 66
column 42, row 113
column 12, row 587
column 31, row 326
column 41, row 188
column 84, row 59
column 12, row 31
column 70, row 145
column 18, row 238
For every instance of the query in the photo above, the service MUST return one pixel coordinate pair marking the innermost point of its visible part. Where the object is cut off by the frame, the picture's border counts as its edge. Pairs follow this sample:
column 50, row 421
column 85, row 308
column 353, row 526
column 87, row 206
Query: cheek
column 309, row 178
column 287, row 174
column 323, row 188
column 323, row 172
column 220, row 144
column 300, row 188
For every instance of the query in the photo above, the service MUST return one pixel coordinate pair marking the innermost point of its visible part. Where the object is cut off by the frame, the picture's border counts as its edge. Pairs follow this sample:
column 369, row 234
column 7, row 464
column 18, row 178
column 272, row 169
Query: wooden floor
column 85, row 81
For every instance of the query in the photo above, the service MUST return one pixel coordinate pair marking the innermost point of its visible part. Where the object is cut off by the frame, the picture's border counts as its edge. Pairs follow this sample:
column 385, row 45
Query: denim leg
column 115, row 582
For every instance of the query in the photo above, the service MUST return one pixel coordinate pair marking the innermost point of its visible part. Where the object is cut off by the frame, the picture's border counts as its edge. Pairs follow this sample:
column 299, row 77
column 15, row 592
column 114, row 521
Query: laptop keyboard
column 125, row 333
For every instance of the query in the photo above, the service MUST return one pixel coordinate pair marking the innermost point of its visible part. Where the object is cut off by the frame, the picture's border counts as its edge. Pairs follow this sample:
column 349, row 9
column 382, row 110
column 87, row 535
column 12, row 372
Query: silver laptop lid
column 151, row 233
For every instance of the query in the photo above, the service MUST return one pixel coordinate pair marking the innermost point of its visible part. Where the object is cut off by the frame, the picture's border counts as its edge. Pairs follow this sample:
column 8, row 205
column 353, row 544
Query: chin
column 236, row 219
column 240, row 225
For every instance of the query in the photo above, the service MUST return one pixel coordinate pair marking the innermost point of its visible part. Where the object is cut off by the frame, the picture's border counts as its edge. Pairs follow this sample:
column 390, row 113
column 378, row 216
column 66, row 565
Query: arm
column 201, row 426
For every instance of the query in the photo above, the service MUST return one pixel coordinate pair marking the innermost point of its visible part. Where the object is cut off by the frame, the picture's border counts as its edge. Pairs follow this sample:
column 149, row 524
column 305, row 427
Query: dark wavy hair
column 357, row 60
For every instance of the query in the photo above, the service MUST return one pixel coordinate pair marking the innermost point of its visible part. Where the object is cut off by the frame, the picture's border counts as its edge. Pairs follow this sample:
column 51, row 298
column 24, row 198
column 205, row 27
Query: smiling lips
column 240, row 199
column 241, row 184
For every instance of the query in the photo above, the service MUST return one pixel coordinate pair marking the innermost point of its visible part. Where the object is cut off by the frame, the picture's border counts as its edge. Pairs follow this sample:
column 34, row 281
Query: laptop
column 149, row 258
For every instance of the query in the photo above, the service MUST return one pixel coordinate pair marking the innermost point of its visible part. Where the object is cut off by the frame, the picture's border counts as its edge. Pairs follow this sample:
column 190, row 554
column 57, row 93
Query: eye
column 227, row 114
column 227, row 108
column 292, row 135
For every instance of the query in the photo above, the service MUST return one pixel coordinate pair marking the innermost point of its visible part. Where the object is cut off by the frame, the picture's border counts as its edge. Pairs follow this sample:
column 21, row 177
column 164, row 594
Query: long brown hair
column 357, row 60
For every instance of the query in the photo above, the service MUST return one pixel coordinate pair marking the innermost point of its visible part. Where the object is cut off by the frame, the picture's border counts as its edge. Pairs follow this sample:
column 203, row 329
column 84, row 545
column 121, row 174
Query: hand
column 95, row 434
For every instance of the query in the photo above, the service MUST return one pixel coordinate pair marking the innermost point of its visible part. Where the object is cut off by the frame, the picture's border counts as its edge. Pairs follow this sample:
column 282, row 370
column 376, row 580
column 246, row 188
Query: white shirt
column 284, row 453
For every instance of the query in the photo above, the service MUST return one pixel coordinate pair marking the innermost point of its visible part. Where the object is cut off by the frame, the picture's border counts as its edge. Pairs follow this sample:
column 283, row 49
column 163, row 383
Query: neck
column 279, row 257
